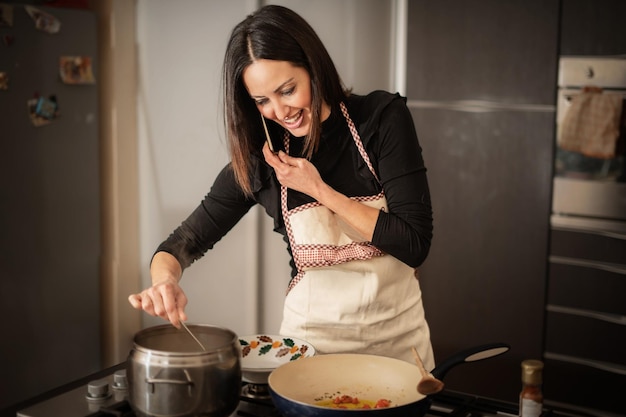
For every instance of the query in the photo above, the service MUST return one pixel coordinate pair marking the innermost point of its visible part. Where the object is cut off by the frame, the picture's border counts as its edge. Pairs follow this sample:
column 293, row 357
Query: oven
column 585, row 333
column 104, row 394
column 586, row 185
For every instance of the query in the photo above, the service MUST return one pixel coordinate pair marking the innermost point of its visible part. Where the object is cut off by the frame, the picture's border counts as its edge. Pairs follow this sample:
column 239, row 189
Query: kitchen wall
column 182, row 145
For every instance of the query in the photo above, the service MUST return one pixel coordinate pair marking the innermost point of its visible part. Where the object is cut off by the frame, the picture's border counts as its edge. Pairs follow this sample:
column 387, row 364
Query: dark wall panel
column 490, row 173
column 483, row 49
column 593, row 27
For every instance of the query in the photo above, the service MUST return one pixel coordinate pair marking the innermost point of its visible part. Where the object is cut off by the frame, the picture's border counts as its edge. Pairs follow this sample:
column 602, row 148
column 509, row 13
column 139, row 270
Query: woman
column 346, row 187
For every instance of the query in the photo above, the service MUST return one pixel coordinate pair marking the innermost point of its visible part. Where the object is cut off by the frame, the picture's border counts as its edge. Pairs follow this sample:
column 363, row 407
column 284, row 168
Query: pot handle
column 473, row 354
column 156, row 380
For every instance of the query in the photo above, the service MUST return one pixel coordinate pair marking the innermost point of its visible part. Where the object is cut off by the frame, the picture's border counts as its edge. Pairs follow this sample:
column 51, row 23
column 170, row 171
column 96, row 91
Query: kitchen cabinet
column 586, row 316
column 481, row 85
column 484, row 279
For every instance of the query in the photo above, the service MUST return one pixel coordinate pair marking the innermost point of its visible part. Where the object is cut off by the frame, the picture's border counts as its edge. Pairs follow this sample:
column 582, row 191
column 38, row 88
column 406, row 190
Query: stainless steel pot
column 170, row 376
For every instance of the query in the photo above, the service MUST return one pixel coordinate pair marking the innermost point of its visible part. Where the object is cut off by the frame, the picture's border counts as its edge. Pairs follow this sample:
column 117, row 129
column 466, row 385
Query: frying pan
column 305, row 387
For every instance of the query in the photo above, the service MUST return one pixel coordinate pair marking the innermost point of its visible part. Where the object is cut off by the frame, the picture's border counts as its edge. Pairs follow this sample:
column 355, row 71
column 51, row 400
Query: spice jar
column 531, row 396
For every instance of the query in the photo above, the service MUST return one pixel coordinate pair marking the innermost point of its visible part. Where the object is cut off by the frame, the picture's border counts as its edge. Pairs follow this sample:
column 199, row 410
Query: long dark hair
column 276, row 33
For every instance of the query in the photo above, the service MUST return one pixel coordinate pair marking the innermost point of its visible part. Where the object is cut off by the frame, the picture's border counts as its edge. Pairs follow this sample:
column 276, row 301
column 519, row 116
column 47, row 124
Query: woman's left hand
column 301, row 175
column 295, row 173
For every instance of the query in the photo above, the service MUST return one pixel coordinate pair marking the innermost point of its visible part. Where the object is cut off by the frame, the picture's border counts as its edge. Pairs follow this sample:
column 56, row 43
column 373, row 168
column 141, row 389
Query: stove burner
column 256, row 391
column 121, row 409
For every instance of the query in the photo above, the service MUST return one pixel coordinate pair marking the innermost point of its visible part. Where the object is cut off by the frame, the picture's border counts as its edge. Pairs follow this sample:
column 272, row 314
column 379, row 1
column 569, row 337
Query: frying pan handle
column 473, row 354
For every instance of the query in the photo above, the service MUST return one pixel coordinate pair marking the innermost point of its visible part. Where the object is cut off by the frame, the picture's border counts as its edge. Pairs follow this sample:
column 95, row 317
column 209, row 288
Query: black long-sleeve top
column 388, row 134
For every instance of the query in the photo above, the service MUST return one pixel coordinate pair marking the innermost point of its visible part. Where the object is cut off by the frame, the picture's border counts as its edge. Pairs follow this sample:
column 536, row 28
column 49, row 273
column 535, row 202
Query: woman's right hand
column 165, row 298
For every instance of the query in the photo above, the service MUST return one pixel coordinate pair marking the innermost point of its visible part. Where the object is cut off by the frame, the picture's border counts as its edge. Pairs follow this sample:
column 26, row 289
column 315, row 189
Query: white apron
column 348, row 296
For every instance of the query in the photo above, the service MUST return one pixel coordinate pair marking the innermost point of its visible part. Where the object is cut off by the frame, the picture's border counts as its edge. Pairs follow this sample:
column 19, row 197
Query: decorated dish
column 262, row 353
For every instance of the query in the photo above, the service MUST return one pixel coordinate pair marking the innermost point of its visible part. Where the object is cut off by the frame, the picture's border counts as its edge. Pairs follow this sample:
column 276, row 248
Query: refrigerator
column 49, row 199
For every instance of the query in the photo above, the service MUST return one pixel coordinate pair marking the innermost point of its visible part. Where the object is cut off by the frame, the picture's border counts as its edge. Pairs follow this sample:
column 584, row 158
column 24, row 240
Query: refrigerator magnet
column 43, row 110
column 43, row 21
column 76, row 70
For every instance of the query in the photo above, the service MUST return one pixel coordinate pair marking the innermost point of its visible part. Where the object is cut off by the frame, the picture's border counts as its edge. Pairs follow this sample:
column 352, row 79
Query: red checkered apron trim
column 320, row 255
column 357, row 140
column 317, row 204
column 323, row 255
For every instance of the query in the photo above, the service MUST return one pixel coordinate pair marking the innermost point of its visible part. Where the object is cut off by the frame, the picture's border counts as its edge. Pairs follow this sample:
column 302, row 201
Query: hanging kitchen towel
column 591, row 125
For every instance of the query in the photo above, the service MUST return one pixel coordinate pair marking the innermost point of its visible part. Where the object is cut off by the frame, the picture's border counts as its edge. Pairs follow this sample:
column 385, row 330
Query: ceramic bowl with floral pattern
column 262, row 353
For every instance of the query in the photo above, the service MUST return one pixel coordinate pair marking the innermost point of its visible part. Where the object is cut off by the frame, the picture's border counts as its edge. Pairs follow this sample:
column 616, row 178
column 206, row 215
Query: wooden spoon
column 428, row 384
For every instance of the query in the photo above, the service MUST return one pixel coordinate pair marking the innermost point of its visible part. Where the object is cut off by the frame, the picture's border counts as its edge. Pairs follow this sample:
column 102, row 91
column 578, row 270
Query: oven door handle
column 602, row 266
column 603, row 233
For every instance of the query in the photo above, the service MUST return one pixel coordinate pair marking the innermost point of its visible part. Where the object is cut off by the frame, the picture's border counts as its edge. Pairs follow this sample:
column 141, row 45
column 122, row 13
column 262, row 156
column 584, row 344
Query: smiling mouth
column 293, row 121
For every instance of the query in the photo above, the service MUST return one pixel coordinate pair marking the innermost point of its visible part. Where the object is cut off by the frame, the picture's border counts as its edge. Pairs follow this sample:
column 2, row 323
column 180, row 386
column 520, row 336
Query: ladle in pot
column 428, row 384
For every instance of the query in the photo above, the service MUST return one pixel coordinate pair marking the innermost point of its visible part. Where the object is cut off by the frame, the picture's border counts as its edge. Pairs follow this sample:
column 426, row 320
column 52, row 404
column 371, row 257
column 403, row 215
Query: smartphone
column 267, row 136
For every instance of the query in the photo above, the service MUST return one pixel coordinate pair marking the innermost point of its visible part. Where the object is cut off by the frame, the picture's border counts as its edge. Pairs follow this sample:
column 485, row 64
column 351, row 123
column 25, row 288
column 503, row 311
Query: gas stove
column 104, row 394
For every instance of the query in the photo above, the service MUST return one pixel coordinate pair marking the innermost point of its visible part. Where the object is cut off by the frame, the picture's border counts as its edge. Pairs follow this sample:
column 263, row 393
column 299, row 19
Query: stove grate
column 120, row 409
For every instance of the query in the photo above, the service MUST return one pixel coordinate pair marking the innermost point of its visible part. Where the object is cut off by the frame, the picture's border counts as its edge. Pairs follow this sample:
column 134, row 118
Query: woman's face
column 282, row 92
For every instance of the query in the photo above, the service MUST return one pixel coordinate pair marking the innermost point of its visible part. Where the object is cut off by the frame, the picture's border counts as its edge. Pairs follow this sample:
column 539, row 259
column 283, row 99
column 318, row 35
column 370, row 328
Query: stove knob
column 120, row 382
column 98, row 390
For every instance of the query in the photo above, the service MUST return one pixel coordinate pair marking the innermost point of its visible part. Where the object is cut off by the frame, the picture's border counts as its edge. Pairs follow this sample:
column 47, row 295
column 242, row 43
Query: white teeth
column 294, row 118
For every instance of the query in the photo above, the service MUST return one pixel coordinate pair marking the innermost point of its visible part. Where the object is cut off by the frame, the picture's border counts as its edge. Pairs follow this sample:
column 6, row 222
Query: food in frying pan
column 351, row 402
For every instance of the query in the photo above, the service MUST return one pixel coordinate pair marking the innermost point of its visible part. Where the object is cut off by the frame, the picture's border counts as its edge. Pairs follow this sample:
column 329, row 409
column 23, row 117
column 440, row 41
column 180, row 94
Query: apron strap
column 357, row 140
